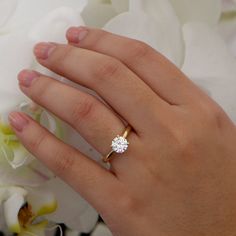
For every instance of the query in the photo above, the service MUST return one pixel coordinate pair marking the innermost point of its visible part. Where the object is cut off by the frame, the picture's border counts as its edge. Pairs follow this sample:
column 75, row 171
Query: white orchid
column 22, row 207
column 185, row 31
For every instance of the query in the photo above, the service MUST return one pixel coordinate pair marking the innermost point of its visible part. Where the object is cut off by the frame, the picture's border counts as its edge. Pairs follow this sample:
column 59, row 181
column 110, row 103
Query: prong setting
column 119, row 144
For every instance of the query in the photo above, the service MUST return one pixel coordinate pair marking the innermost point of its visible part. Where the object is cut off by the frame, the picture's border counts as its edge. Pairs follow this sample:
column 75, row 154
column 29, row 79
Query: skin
column 177, row 177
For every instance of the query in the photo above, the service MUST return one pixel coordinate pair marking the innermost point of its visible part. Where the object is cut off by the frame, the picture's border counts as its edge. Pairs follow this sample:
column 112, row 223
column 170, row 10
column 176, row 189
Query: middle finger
column 122, row 89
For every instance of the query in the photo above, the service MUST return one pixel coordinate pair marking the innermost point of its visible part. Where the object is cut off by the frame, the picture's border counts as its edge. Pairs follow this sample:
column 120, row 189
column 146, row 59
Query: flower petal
column 10, row 95
column 15, row 189
column 41, row 200
column 52, row 27
column 7, row 8
column 72, row 137
column 207, row 11
column 11, row 209
column 98, row 14
column 24, row 17
column 168, row 25
column 10, row 147
column 3, row 228
column 209, row 64
column 71, row 233
column 101, row 230
column 80, row 216
column 20, row 156
column 35, row 230
column 120, row 5
column 163, row 33
column 22, row 176
column 228, row 30
column 228, row 5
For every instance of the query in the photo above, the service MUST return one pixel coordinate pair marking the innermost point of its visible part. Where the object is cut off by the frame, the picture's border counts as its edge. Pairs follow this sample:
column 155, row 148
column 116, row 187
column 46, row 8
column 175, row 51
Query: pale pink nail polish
column 76, row 34
column 43, row 50
column 18, row 121
column 26, row 77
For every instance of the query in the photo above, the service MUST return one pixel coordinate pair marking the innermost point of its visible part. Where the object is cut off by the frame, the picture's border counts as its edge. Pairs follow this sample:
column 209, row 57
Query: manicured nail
column 43, row 50
column 18, row 121
column 76, row 34
column 26, row 77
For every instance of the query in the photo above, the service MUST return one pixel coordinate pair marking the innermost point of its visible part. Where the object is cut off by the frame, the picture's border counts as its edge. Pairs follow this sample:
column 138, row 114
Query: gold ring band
column 119, row 144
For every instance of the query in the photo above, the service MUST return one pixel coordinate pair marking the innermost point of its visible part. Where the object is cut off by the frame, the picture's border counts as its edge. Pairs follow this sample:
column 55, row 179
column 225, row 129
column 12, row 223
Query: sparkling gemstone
column 119, row 144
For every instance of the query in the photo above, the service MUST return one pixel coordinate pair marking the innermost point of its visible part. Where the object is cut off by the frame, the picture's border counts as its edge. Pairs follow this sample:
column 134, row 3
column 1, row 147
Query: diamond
column 119, row 144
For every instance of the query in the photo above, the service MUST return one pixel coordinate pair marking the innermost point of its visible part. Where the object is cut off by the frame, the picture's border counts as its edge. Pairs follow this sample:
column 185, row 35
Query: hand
column 178, row 176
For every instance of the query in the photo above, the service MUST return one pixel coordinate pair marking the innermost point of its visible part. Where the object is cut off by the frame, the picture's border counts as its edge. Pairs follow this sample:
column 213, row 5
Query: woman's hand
column 178, row 176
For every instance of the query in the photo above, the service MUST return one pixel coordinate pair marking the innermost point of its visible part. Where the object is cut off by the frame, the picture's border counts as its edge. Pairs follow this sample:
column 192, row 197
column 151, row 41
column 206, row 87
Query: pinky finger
column 83, row 174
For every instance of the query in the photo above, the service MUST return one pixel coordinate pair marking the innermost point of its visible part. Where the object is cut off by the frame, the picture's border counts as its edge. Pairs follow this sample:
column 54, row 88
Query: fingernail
column 76, row 34
column 43, row 50
column 26, row 77
column 18, row 121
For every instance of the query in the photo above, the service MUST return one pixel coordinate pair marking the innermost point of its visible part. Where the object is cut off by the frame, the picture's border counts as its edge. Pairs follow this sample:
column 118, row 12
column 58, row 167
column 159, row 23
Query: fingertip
column 76, row 34
column 26, row 77
column 18, row 121
column 43, row 50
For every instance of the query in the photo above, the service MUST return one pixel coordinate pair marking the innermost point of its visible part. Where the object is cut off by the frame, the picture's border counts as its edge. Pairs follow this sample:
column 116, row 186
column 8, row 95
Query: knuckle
column 184, row 141
column 128, row 204
column 38, row 143
column 188, row 137
column 63, row 57
column 64, row 160
column 40, row 89
column 218, row 117
column 90, row 179
column 213, row 114
column 101, row 36
column 137, row 49
column 82, row 111
column 107, row 68
column 184, row 147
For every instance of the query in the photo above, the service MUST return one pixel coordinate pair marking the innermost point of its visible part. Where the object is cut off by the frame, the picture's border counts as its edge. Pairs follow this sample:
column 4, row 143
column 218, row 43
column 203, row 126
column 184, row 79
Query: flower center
column 25, row 215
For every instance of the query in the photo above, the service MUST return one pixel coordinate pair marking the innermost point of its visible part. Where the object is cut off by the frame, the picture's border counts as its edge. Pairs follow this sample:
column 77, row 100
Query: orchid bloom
column 185, row 31
column 22, row 207
column 29, row 210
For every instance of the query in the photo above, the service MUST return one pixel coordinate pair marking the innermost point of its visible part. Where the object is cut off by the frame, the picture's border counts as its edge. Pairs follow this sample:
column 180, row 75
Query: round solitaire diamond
column 119, row 144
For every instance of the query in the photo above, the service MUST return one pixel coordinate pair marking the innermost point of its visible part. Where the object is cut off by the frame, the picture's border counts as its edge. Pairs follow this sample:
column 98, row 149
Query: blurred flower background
column 198, row 36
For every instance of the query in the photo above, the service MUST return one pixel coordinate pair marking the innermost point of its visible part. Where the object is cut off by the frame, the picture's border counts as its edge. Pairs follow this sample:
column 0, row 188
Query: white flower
column 22, row 207
column 7, row 8
column 77, row 213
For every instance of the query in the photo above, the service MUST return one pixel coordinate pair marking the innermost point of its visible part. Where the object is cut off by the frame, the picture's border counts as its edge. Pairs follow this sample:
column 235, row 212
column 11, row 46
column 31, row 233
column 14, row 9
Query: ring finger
column 90, row 117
